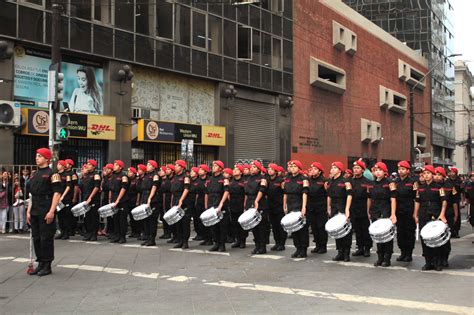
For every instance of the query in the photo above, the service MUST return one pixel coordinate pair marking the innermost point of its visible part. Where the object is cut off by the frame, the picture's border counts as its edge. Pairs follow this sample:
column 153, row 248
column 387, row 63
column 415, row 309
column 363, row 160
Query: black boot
column 322, row 250
column 366, row 251
column 303, row 252
column 145, row 242
column 151, row 242
column 386, row 260
column 255, row 250
column 428, row 264
column 316, row 249
column 296, row 254
column 402, row 256
column 221, row 247
column 122, row 240
column 444, row 261
column 37, row 269
column 59, row 236
column 280, row 248
column 347, row 254
column 185, row 245
column 214, row 248
column 358, row 252
column 235, row 245
column 339, row 256
column 379, row 260
column 262, row 249
column 437, row 264
column 46, row 270
column 178, row 245
column 165, row 236
column 408, row 257
column 65, row 235
column 274, row 247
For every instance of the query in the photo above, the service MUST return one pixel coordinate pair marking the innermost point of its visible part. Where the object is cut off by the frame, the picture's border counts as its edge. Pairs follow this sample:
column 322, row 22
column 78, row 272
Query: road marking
column 198, row 251
column 19, row 237
column 181, row 278
column 139, row 246
column 367, row 265
column 22, row 260
column 274, row 257
column 7, row 258
column 423, row 306
column 111, row 270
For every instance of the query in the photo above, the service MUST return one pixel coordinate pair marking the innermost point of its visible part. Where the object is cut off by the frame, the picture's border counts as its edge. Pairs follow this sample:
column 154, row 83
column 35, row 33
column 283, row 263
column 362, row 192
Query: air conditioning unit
column 140, row 113
column 10, row 114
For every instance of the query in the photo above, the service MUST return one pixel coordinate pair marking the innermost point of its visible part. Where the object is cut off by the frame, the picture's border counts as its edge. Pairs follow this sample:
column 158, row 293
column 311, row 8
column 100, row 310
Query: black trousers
column 279, row 235
column 301, row 237
column 236, row 229
column 43, row 237
column 360, row 225
column 120, row 223
column 219, row 230
column 91, row 221
column 434, row 255
column 136, row 227
column 65, row 218
column 150, row 224
column 318, row 222
column 260, row 231
column 161, row 212
column 183, row 227
column 406, row 230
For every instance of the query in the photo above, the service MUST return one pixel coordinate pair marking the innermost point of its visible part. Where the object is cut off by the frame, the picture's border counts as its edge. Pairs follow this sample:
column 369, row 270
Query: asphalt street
column 99, row 277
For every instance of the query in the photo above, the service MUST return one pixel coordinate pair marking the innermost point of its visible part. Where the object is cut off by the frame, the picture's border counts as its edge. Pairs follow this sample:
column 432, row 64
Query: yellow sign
column 101, row 127
column 213, row 135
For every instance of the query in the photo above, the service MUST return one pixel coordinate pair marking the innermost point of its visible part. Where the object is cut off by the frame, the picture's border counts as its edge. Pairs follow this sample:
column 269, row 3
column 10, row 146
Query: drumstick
column 417, row 233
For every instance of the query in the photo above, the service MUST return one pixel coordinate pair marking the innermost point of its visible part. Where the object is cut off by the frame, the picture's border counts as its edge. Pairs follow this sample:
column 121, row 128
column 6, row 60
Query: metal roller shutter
column 255, row 131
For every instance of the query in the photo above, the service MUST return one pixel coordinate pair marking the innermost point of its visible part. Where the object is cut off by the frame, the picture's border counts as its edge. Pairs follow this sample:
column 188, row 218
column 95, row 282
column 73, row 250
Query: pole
column 56, row 63
column 412, row 129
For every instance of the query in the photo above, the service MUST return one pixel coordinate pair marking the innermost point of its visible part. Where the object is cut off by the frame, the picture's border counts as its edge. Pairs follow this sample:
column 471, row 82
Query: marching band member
column 90, row 193
column 458, row 186
column 275, row 206
column 136, row 226
column 160, row 201
column 317, row 206
column 451, row 196
column 236, row 206
column 204, row 233
column 167, row 196
column 149, row 187
column 74, row 195
column 119, row 184
column 180, row 187
column 64, row 215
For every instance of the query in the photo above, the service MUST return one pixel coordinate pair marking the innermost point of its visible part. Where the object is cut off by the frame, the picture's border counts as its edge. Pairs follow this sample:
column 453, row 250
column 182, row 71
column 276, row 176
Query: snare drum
column 60, row 206
column 107, row 210
column 435, row 234
column 80, row 209
column 141, row 212
column 382, row 231
column 173, row 215
column 338, row 226
column 293, row 222
column 250, row 219
column 210, row 217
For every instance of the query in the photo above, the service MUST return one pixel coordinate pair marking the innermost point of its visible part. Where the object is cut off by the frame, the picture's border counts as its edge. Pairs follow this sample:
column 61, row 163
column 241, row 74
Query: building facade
column 426, row 26
column 352, row 83
column 463, row 84
column 219, row 74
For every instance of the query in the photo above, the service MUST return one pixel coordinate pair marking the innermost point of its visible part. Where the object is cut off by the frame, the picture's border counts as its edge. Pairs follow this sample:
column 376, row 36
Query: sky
column 463, row 30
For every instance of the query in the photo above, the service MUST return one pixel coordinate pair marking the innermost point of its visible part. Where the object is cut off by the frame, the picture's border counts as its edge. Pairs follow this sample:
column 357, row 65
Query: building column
column 6, row 94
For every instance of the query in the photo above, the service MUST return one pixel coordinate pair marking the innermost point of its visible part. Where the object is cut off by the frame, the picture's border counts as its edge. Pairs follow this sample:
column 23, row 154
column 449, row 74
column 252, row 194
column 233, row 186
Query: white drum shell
column 173, row 215
column 293, row 222
column 141, row 212
column 210, row 217
column 435, row 234
column 338, row 226
column 382, row 231
column 107, row 210
column 80, row 209
column 250, row 219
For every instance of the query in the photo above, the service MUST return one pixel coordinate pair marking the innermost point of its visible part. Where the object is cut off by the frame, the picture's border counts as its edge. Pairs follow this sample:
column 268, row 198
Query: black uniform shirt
column 88, row 182
column 338, row 190
column 201, row 191
column 380, row 192
column 215, row 190
column 43, row 184
column 406, row 193
column 317, row 195
column 179, row 183
column 237, row 195
column 119, row 181
column 294, row 187
column 132, row 192
column 275, row 194
column 430, row 196
column 146, row 186
column 253, row 185
column 360, row 192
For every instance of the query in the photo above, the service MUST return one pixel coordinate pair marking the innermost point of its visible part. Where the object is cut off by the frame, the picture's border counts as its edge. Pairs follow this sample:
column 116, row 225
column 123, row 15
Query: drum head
column 433, row 229
column 291, row 218
column 247, row 215
column 336, row 222
column 380, row 226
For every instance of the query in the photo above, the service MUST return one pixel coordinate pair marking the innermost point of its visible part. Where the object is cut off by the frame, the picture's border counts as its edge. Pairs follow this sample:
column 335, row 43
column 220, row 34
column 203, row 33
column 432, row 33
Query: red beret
column 360, row 163
column 163, row 168
column 219, row 163
column 181, row 163
column 247, row 166
column 281, row 169
column 454, row 170
column 339, row 165
column 84, row 165
column 404, row 164
column 205, row 168
column 132, row 169
column 429, row 168
column 142, row 167
column 297, row 163
column 259, row 166
column 62, row 162
column 228, row 171
column 274, row 167
column 92, row 162
column 152, row 163
column 382, row 166
column 195, row 169
column 119, row 163
column 441, row 171
column 170, row 166
column 240, row 167
column 109, row 166
column 70, row 162
column 318, row 165
column 349, row 171
column 44, row 152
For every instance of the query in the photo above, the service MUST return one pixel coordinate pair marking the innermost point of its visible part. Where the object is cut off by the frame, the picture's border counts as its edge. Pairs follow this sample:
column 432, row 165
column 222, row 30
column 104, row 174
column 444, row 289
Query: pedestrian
column 19, row 213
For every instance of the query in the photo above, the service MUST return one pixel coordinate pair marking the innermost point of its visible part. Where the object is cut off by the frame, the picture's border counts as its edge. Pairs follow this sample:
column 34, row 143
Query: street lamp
column 412, row 116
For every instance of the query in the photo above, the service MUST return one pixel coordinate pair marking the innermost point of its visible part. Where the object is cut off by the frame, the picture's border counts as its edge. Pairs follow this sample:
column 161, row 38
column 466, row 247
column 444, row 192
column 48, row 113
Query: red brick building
column 351, row 91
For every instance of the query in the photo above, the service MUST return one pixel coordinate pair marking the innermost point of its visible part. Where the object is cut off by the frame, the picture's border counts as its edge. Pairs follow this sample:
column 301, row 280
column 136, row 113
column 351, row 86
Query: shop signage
column 81, row 126
column 157, row 131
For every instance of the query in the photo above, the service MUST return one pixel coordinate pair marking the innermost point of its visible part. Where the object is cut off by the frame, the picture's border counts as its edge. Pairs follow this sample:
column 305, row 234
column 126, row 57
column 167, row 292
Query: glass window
column 254, row 75
column 199, row 62
column 277, row 80
column 229, row 69
column 199, row 29
column 266, row 78
column 123, row 45
column 287, row 29
column 215, row 8
column 230, row 38
column 81, row 9
column 33, row 30
column 277, row 5
column 276, row 25
column 182, row 25
column 266, row 4
column 35, row 2
column 266, row 50
column 214, row 36
column 229, row 11
column 243, row 72
column 288, row 9
column 287, row 83
column 256, row 47
column 254, row 16
column 64, row 35
column 8, row 19
column 164, row 54
column 244, row 37
column 276, row 57
column 243, row 14
column 124, row 10
column 144, row 47
column 80, row 35
column 182, row 60
column 103, row 40
column 215, row 66
column 144, row 18
column 164, row 19
column 266, row 21
column 103, row 11
column 287, row 56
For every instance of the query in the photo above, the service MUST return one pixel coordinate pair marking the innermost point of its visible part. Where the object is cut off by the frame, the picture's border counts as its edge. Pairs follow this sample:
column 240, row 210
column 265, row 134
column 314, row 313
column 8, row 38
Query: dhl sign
column 213, row 135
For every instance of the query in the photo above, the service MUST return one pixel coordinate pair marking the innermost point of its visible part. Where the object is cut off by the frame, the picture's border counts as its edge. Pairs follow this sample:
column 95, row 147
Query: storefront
column 163, row 142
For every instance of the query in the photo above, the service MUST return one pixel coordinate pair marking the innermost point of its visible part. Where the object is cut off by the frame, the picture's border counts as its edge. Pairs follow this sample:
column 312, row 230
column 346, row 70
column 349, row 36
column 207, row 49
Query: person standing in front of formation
column 119, row 184
column 217, row 194
column 149, row 188
column 469, row 191
column 90, row 193
column 317, row 207
column 295, row 198
column 430, row 205
column 359, row 214
column 236, row 206
column 383, row 205
column 406, row 226
column 45, row 188
column 339, row 201
column 275, row 206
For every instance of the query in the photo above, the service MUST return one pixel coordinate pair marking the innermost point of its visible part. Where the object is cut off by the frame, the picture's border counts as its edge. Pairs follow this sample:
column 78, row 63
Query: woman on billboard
column 87, row 98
